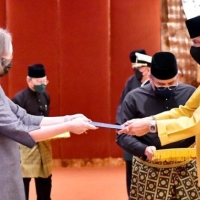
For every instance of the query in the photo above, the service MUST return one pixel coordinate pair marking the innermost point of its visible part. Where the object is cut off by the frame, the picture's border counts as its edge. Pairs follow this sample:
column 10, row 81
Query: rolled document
column 105, row 125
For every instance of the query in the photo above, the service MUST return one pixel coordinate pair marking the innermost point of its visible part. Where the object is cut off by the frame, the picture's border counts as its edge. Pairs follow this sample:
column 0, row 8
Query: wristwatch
column 152, row 126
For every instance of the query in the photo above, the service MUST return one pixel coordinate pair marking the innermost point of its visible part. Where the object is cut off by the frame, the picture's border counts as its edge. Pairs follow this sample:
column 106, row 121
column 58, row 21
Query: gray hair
column 28, row 78
column 5, row 41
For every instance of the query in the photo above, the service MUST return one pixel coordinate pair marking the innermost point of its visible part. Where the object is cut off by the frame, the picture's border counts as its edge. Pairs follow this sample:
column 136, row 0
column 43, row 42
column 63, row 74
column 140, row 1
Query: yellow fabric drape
column 181, row 123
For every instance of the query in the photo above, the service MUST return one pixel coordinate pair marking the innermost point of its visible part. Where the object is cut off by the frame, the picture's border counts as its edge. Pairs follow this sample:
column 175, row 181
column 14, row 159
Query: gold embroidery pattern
column 172, row 183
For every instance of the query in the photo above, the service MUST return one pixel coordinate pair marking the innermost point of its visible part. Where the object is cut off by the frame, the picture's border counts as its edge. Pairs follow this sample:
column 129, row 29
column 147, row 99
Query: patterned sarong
column 164, row 181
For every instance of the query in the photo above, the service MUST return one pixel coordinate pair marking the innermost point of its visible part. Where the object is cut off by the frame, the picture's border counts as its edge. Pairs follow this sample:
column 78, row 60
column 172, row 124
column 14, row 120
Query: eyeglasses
column 45, row 82
column 171, row 87
column 162, row 88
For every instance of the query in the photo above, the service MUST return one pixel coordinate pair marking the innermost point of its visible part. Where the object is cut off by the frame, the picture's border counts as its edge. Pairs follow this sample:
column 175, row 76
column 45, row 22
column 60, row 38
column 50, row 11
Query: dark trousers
column 42, row 185
column 128, row 176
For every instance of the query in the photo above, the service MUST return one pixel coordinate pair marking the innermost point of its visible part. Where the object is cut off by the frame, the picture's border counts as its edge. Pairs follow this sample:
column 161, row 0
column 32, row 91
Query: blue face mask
column 39, row 88
column 164, row 94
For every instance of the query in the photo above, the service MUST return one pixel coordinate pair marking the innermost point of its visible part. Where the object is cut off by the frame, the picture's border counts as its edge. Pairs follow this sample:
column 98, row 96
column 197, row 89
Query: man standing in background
column 36, row 162
column 141, row 77
column 159, row 179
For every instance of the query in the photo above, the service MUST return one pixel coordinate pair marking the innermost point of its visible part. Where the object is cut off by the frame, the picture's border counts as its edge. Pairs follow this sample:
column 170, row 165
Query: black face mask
column 195, row 53
column 138, row 74
column 164, row 94
column 5, row 66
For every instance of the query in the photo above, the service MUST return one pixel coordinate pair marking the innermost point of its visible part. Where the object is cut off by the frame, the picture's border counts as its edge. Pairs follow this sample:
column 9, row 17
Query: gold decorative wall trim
column 95, row 162
column 175, row 38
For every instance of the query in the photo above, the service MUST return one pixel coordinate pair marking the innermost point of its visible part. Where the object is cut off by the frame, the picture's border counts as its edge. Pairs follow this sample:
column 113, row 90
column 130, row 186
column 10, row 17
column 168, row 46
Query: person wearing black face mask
column 193, row 26
column 192, row 13
column 36, row 162
column 163, row 93
column 164, row 87
column 141, row 77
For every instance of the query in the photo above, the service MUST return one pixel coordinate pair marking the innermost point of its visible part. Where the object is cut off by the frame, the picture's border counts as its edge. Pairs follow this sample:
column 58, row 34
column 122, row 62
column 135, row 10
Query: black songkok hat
column 36, row 71
column 192, row 14
column 133, row 57
column 193, row 26
column 164, row 66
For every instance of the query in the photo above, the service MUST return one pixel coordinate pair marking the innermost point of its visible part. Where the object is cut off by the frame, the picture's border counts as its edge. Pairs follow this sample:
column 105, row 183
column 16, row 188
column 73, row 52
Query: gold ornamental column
column 175, row 38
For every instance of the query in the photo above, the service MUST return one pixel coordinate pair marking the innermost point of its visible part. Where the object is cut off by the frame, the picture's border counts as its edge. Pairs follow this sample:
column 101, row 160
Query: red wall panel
column 3, row 13
column 34, row 28
column 134, row 25
column 84, row 64
column 4, row 80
